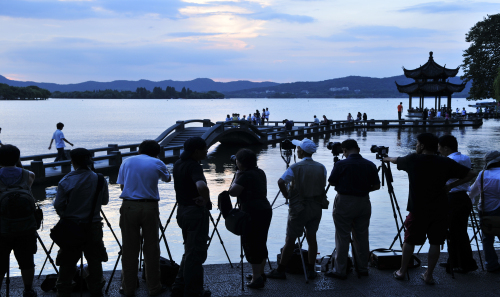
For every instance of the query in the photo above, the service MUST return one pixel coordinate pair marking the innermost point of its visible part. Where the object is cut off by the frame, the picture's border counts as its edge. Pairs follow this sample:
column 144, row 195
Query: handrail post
column 38, row 169
column 177, row 152
column 221, row 126
column 207, row 123
column 180, row 126
column 115, row 159
column 161, row 155
column 111, row 148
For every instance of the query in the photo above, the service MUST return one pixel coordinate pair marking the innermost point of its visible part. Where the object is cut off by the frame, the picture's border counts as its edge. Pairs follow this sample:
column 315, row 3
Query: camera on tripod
column 287, row 145
column 335, row 147
column 233, row 159
column 381, row 151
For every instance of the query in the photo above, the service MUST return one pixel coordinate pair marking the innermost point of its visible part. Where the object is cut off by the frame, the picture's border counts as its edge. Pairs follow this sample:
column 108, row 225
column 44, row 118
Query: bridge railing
column 180, row 125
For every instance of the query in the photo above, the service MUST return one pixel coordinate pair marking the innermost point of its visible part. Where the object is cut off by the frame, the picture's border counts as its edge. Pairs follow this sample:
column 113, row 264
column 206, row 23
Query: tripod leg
column 396, row 237
column 220, row 238
column 169, row 218
column 241, row 264
column 7, row 281
column 213, row 231
column 111, row 229
column 114, row 270
column 421, row 247
column 475, row 237
column 165, row 240
column 140, row 252
column 303, row 262
column 46, row 258
column 81, row 275
column 47, row 253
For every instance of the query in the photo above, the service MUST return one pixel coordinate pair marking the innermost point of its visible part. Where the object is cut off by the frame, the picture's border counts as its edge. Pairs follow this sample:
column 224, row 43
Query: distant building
column 268, row 91
column 339, row 89
column 305, row 91
column 357, row 91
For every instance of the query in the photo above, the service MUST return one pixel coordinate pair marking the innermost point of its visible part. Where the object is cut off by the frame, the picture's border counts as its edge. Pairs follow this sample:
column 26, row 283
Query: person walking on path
column 193, row 197
column 489, row 205
column 353, row 178
column 460, row 207
column 74, row 201
column 400, row 110
column 20, row 237
column 138, row 179
column 428, row 174
column 58, row 137
column 307, row 200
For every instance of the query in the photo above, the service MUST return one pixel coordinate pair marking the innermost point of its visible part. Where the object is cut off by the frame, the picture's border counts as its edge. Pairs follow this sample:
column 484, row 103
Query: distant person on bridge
column 400, row 110
column 365, row 117
column 315, row 121
column 58, row 137
column 228, row 118
column 138, row 179
column 267, row 114
column 464, row 113
column 193, row 197
column 235, row 118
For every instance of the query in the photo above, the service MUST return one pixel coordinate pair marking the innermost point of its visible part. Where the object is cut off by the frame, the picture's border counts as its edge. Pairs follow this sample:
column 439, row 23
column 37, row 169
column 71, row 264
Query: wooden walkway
column 108, row 159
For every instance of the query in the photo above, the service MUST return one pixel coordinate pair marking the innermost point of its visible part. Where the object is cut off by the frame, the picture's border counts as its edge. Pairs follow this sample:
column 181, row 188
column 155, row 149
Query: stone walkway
column 223, row 280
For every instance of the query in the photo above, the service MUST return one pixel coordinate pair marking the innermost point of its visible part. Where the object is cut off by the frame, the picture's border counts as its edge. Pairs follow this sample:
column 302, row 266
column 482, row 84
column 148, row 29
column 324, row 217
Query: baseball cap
column 306, row 145
column 191, row 144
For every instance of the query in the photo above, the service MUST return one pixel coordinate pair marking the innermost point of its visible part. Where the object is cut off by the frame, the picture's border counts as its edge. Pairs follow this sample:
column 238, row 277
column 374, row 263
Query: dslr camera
column 381, row 151
column 335, row 147
column 233, row 159
column 287, row 145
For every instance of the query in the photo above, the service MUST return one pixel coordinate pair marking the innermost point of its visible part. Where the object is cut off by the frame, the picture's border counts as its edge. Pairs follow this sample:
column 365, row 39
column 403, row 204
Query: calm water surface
column 97, row 123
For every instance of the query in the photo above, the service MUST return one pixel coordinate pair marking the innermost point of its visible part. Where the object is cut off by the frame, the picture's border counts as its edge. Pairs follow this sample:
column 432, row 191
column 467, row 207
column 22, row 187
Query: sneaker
column 29, row 293
column 162, row 290
column 276, row 274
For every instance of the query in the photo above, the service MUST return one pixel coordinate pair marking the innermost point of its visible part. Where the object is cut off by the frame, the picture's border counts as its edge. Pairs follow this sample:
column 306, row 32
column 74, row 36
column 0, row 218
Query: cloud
column 377, row 33
column 452, row 7
column 271, row 15
column 71, row 10
column 191, row 34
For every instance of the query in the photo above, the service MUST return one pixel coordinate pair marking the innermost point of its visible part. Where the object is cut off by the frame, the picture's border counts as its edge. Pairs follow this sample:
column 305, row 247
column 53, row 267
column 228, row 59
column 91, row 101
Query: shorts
column 308, row 218
column 418, row 228
column 24, row 248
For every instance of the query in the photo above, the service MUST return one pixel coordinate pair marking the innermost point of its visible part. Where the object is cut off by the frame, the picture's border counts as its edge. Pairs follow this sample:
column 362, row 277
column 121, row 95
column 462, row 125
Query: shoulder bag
column 489, row 224
column 70, row 234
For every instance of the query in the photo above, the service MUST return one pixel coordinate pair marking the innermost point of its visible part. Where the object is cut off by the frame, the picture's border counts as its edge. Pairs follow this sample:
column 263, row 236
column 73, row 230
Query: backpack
column 17, row 208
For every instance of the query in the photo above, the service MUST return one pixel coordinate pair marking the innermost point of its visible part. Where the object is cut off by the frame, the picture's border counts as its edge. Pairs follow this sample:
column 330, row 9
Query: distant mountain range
column 197, row 85
column 345, row 87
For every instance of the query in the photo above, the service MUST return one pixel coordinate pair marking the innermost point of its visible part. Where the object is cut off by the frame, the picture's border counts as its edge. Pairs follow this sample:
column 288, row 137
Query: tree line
column 140, row 93
column 23, row 93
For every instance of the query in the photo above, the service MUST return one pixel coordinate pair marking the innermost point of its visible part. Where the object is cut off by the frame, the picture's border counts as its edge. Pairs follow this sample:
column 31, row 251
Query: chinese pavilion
column 431, row 81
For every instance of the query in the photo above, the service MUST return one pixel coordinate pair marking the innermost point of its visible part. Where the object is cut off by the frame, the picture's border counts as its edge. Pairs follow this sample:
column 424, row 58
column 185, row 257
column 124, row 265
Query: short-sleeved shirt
column 354, row 176
column 58, row 138
column 464, row 160
column 400, row 107
column 139, row 176
column 427, row 175
column 11, row 175
column 288, row 125
column 186, row 173
column 254, row 183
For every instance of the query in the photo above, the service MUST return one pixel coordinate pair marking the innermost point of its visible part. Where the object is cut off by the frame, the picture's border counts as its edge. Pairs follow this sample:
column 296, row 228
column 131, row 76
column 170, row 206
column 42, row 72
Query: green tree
column 482, row 58
column 496, row 86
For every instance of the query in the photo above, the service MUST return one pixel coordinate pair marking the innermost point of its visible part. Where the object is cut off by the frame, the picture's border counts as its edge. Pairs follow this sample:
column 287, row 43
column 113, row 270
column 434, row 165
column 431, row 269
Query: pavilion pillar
column 435, row 102
column 449, row 102
column 439, row 103
column 409, row 107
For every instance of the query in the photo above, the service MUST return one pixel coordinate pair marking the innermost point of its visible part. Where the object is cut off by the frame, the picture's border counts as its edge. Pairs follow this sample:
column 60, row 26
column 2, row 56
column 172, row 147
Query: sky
column 71, row 41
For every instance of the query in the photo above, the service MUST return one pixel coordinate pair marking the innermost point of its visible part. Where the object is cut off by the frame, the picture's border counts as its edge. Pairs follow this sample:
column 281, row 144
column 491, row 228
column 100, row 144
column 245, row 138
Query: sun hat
column 306, row 145
column 491, row 158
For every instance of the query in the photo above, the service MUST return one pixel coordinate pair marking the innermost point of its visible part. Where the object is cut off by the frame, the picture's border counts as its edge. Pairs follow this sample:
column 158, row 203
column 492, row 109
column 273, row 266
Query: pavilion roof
column 433, row 88
column 431, row 70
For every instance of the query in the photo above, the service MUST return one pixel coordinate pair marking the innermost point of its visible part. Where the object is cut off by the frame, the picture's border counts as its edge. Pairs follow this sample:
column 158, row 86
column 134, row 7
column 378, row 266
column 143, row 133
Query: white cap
column 306, row 145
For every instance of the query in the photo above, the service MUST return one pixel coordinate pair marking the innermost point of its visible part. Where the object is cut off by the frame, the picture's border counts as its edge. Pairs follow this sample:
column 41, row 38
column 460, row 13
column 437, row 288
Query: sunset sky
column 70, row 41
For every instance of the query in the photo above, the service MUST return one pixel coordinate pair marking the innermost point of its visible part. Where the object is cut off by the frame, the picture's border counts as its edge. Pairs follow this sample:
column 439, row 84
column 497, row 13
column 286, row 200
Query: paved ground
column 223, row 280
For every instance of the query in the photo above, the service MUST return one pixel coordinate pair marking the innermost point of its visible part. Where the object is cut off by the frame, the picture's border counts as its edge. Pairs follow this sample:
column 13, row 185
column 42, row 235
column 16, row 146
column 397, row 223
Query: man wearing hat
column 353, row 178
column 307, row 195
column 138, row 179
column 193, row 197
column 490, row 206
column 74, row 199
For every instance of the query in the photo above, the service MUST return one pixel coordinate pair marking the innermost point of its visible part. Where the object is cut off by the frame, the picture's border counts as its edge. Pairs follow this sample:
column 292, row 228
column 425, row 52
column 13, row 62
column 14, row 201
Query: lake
column 97, row 123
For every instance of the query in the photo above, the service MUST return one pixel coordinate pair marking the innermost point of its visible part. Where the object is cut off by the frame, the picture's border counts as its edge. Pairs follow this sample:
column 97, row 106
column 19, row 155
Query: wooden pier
column 108, row 159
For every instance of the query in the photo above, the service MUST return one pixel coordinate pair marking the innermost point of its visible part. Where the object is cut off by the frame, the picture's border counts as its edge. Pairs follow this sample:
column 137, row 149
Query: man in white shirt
column 316, row 121
column 464, row 113
column 138, row 178
column 58, row 136
column 460, row 207
column 267, row 114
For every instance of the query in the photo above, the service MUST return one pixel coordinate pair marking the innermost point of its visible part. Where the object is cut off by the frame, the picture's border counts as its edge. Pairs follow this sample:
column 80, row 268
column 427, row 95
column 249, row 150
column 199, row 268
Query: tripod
column 286, row 155
column 387, row 175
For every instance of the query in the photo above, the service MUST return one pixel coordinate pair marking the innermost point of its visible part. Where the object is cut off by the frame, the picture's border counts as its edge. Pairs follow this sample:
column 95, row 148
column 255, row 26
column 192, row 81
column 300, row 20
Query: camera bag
column 69, row 234
column 236, row 221
column 294, row 265
column 390, row 259
column 169, row 270
column 489, row 224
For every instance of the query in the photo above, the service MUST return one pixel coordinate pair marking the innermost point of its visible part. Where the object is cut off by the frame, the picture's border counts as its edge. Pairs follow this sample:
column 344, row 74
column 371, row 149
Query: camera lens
column 233, row 159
